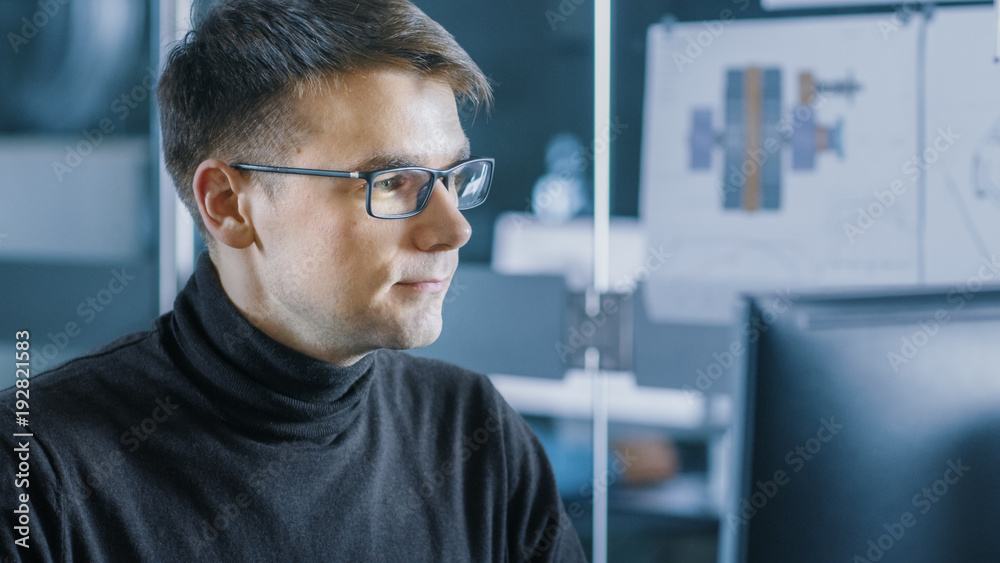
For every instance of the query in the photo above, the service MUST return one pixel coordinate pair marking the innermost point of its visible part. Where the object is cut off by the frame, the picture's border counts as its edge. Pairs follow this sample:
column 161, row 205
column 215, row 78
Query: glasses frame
column 369, row 177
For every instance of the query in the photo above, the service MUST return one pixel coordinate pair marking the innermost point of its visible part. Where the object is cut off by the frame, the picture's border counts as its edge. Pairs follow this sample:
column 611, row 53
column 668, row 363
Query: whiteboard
column 849, row 218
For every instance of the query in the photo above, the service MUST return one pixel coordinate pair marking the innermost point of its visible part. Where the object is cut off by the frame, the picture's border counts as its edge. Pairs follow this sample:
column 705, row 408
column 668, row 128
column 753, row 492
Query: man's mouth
column 434, row 285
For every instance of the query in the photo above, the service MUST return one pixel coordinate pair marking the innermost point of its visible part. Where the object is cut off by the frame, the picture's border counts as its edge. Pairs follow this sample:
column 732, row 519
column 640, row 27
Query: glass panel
column 78, row 261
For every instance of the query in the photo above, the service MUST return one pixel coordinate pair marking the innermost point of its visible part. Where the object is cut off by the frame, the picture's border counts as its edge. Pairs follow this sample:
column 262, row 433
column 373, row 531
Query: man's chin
column 418, row 335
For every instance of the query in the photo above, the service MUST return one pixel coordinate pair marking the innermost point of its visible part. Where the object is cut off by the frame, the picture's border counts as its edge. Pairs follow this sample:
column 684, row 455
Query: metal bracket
column 604, row 322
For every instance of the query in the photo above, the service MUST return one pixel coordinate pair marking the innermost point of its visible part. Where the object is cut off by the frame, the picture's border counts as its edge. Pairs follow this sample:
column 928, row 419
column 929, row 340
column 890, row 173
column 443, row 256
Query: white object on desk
column 569, row 397
column 522, row 244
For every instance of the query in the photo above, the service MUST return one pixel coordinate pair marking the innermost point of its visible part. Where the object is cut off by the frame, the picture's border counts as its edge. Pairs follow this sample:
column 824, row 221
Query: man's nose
column 441, row 226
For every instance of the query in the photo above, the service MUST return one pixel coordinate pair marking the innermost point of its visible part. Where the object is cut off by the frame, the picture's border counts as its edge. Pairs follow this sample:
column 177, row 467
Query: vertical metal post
column 163, row 24
column 602, row 218
column 171, row 20
column 599, row 394
column 602, row 158
column 921, row 95
column 184, row 233
column 996, row 15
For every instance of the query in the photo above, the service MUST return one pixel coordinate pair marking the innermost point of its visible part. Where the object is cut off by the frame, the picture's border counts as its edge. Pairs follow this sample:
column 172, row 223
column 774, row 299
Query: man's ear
column 224, row 203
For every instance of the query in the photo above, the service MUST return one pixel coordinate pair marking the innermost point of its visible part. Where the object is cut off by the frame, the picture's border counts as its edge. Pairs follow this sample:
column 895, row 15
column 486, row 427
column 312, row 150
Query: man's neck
column 240, row 282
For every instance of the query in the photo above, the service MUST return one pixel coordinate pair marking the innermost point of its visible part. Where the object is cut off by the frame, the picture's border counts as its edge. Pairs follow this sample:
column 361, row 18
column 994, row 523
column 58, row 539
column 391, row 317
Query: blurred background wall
column 88, row 238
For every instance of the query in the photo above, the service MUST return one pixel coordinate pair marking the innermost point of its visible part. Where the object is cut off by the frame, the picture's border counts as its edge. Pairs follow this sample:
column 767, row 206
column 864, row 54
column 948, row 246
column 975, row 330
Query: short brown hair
column 227, row 89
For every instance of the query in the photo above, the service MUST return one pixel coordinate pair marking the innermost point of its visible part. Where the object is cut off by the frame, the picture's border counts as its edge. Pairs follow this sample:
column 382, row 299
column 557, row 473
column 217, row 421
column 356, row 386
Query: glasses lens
column 471, row 182
column 399, row 192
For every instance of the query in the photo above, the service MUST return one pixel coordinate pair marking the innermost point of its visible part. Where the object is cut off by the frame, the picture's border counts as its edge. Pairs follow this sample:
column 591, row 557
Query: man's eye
column 400, row 180
column 387, row 184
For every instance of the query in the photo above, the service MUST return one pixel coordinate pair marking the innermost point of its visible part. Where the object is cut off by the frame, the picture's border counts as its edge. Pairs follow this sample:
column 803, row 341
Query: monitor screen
column 869, row 429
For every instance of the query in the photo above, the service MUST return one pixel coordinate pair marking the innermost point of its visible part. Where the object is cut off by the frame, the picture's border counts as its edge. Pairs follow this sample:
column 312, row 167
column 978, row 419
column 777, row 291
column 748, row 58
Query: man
column 318, row 145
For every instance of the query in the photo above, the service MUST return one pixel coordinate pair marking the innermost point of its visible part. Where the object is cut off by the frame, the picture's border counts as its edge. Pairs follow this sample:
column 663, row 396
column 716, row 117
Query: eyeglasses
column 397, row 193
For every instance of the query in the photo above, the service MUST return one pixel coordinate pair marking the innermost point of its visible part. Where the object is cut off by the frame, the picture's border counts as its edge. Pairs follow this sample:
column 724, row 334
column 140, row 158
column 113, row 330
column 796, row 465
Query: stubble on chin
column 415, row 329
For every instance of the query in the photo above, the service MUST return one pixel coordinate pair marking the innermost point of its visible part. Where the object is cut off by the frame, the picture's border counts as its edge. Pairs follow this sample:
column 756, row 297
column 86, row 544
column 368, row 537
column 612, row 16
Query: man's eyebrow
column 382, row 161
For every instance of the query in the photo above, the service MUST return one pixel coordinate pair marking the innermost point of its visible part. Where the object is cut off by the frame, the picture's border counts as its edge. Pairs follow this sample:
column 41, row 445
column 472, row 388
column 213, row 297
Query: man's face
column 338, row 279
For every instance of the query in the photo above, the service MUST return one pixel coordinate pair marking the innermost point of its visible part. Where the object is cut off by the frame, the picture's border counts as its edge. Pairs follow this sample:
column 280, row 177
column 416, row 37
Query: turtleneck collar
column 255, row 382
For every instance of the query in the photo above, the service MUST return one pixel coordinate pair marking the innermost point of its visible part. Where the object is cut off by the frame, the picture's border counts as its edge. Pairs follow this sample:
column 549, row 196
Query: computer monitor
column 868, row 429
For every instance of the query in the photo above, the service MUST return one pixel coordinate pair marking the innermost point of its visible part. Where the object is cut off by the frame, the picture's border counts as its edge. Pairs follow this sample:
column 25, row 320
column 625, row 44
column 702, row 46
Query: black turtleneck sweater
column 205, row 440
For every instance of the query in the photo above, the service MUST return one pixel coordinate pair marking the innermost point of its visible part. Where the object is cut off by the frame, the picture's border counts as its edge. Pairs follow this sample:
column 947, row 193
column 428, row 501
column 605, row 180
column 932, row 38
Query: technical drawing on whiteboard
column 827, row 107
column 759, row 150
column 755, row 130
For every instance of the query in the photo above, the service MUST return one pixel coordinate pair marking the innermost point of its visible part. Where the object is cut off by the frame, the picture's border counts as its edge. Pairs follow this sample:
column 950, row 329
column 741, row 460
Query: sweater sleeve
column 538, row 527
column 32, row 526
